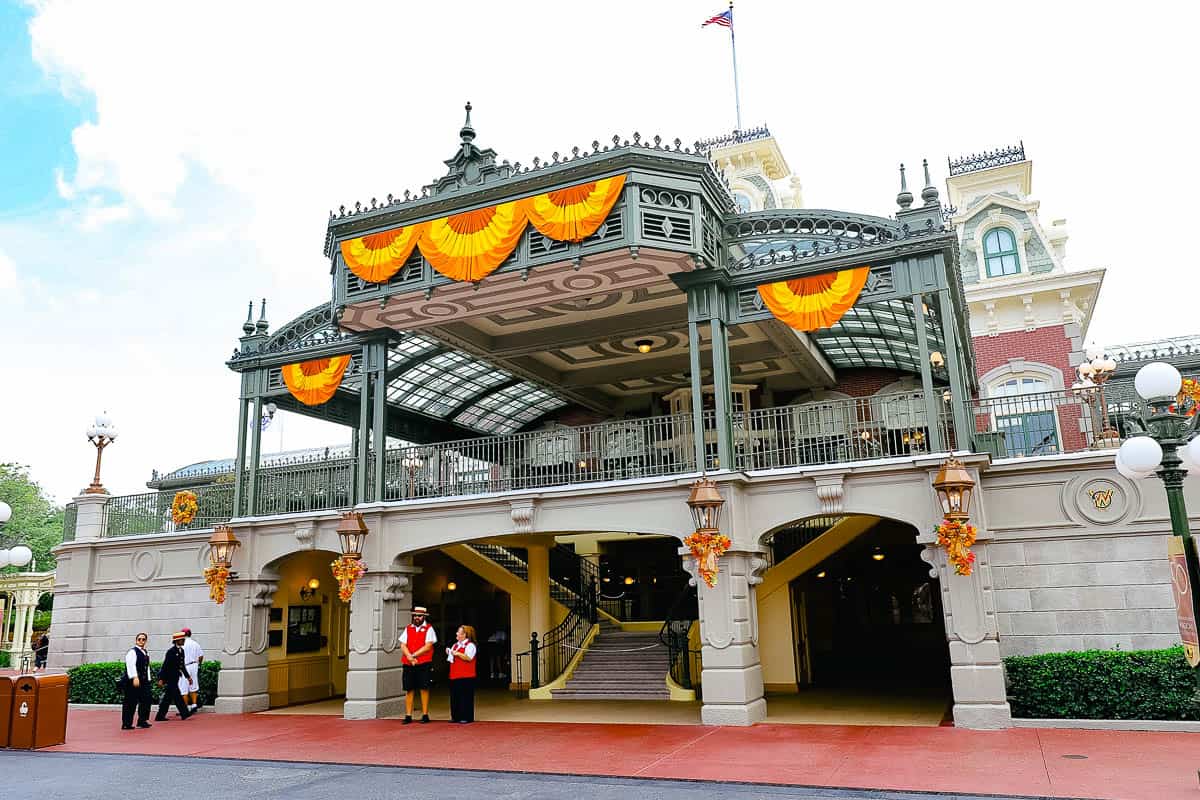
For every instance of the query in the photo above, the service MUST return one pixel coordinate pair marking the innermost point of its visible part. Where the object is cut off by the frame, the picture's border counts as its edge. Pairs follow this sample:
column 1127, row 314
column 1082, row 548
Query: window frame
column 998, row 257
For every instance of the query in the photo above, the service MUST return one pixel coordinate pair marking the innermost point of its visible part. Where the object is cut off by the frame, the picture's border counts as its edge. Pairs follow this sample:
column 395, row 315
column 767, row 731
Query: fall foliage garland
column 347, row 570
column 957, row 537
column 216, row 578
column 184, row 507
column 707, row 547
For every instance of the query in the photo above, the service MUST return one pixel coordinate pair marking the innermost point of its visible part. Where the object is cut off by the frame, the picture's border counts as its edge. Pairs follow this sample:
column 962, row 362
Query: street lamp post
column 1093, row 374
column 101, row 434
column 1169, row 448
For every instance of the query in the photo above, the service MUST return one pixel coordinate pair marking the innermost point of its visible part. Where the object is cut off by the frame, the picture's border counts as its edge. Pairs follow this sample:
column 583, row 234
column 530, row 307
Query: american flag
column 725, row 19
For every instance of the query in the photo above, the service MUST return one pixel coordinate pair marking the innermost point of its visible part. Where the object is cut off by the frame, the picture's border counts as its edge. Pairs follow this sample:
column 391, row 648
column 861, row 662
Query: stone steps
column 619, row 665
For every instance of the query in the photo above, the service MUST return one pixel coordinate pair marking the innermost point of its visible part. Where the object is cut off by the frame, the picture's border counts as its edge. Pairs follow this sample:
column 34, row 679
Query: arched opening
column 308, row 632
column 851, row 625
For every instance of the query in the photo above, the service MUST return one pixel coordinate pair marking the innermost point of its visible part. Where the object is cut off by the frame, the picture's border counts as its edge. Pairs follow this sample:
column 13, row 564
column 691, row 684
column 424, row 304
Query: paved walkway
column 1120, row 765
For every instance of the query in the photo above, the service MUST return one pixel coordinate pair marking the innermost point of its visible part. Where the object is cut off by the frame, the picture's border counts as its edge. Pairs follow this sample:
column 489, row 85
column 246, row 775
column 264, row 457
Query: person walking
column 416, row 657
column 189, row 685
column 461, row 656
column 40, row 652
column 135, row 685
column 168, row 678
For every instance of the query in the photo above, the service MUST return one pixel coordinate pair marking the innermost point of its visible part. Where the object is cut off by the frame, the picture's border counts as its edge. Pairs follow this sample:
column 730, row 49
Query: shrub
column 97, row 683
column 1102, row 684
column 3, row 659
column 41, row 620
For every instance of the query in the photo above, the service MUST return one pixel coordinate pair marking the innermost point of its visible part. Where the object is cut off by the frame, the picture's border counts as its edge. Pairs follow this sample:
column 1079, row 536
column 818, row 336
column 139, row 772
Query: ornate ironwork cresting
column 993, row 158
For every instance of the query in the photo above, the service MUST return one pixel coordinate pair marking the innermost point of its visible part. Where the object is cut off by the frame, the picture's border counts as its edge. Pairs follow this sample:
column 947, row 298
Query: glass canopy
column 882, row 334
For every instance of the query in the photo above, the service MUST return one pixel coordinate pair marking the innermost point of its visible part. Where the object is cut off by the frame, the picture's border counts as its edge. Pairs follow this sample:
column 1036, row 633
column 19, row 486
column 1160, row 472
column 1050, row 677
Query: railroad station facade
column 534, row 363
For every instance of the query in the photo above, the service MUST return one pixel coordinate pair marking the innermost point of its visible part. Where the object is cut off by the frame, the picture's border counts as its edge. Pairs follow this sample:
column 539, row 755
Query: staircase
column 513, row 562
column 620, row 665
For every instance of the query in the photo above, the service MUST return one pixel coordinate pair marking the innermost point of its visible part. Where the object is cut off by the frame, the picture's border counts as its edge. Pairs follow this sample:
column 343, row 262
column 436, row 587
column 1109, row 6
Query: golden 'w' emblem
column 1101, row 498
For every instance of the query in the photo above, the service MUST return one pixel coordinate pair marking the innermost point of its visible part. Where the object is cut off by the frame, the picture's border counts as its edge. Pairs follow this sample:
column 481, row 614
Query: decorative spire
column 904, row 199
column 930, row 193
column 467, row 133
column 248, row 325
column 261, row 326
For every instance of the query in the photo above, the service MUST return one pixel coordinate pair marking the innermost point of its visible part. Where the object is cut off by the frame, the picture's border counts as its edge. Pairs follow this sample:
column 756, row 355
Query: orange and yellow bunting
column 469, row 246
column 818, row 301
column 707, row 547
column 378, row 256
column 314, row 382
column 574, row 213
column 347, row 570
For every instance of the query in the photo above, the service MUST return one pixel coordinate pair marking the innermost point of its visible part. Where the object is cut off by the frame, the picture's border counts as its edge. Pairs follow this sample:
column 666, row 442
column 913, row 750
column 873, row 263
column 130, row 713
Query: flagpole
column 737, row 97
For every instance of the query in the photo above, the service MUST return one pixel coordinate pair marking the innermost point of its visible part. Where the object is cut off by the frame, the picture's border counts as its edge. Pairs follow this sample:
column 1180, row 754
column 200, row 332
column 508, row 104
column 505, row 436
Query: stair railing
column 549, row 654
column 675, row 635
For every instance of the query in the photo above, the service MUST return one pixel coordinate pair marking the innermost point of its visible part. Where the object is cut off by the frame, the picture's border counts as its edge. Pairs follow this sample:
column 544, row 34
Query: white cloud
column 224, row 133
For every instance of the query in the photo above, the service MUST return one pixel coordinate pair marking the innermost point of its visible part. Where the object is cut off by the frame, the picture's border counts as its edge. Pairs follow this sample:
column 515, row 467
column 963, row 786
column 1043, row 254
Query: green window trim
column 1000, row 253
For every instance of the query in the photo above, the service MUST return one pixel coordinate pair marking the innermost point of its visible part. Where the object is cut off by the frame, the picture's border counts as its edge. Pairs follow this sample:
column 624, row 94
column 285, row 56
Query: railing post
column 686, row 651
column 534, row 682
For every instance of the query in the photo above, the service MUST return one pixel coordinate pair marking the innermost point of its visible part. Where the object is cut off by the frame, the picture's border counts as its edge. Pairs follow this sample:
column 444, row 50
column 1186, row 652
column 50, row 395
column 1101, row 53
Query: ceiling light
column 451, row 586
column 821, row 574
column 629, row 580
column 644, row 345
column 878, row 556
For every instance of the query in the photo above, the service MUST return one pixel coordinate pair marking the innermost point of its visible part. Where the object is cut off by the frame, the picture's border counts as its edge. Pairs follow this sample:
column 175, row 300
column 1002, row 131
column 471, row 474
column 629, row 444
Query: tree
column 36, row 521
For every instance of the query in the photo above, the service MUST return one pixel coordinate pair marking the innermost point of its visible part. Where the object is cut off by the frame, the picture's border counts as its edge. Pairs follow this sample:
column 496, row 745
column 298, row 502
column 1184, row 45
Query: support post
column 539, row 587
column 380, row 608
column 239, row 462
column 958, row 383
column 362, row 453
column 932, row 404
column 255, row 456
column 697, row 394
column 722, row 393
column 379, row 423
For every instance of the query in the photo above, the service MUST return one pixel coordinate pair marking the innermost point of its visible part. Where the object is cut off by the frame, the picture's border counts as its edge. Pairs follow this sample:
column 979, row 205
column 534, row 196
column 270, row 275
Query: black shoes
column 424, row 718
column 126, row 727
column 407, row 721
column 145, row 725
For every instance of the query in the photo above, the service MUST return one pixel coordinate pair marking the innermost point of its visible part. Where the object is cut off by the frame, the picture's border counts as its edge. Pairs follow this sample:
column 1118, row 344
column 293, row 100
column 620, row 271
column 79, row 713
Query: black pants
column 170, row 694
column 462, row 700
column 135, row 697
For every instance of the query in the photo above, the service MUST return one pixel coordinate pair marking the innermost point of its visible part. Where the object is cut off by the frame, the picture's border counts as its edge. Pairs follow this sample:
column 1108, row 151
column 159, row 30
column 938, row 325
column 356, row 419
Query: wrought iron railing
column 70, row 515
column 675, row 633
column 609, row 451
column 835, row 431
column 1050, row 423
column 135, row 514
column 786, row 541
column 550, row 653
column 309, row 484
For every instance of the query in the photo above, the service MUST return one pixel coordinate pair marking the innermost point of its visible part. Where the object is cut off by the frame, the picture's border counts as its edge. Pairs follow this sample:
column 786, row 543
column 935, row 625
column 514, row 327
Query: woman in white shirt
column 462, row 675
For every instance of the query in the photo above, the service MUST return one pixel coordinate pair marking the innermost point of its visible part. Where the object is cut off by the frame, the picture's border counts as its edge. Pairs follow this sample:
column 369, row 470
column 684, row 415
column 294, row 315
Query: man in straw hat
column 172, row 669
column 416, row 651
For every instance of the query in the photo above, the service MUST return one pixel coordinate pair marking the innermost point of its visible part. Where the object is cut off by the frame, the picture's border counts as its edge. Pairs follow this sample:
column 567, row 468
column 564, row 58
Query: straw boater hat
column 178, row 635
column 420, row 610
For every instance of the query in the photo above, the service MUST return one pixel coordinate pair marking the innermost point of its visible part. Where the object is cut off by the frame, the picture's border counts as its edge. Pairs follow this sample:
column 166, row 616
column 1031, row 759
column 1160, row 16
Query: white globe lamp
column 5, row 513
column 1141, row 454
column 1157, row 379
column 20, row 555
column 1188, row 456
column 5, row 560
column 1124, row 470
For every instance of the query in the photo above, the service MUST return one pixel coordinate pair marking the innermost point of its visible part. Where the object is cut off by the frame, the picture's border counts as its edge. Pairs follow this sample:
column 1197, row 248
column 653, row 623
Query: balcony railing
column 806, row 434
column 133, row 514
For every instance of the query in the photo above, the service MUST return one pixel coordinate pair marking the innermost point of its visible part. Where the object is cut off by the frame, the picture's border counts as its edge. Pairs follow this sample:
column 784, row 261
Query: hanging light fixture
column 221, row 547
column 954, row 486
column 352, row 530
column 937, row 360
column 705, row 501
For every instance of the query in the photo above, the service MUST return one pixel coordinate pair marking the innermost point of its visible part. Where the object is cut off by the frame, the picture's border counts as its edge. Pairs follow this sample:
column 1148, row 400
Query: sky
column 163, row 163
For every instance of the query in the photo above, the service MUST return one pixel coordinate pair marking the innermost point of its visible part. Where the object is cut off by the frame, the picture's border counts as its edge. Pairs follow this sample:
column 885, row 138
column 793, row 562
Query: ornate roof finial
column 904, row 198
column 248, row 325
column 467, row 133
column 930, row 193
column 261, row 325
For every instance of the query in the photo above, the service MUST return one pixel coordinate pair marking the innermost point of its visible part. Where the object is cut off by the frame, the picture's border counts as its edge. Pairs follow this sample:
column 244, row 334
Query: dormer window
column 1000, row 253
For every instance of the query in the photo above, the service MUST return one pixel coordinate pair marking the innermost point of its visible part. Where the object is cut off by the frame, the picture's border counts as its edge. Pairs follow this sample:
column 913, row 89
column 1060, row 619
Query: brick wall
column 1048, row 345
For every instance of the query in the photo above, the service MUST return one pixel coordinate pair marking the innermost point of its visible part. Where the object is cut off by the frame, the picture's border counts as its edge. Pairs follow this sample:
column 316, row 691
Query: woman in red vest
column 462, row 675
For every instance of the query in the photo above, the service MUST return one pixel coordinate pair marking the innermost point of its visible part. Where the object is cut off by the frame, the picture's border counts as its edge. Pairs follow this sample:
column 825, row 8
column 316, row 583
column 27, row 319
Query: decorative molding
column 305, row 536
column 929, row 554
column 830, row 492
column 523, row 513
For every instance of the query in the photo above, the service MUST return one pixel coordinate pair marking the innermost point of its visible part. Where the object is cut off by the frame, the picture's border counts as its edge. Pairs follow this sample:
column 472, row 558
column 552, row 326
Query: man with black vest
column 135, row 684
column 168, row 678
column 416, row 650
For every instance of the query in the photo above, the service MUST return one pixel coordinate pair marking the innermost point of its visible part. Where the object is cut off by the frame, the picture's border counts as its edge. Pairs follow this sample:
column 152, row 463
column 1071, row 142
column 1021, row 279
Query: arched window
column 744, row 203
column 1000, row 253
column 1026, row 415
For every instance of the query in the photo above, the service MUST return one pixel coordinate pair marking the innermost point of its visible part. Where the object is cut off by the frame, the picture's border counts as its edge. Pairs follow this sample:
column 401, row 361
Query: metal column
column 932, row 404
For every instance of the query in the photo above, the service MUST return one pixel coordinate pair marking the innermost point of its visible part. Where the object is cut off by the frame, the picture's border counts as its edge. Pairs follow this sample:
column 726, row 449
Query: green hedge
column 97, row 683
column 1102, row 684
column 3, row 659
